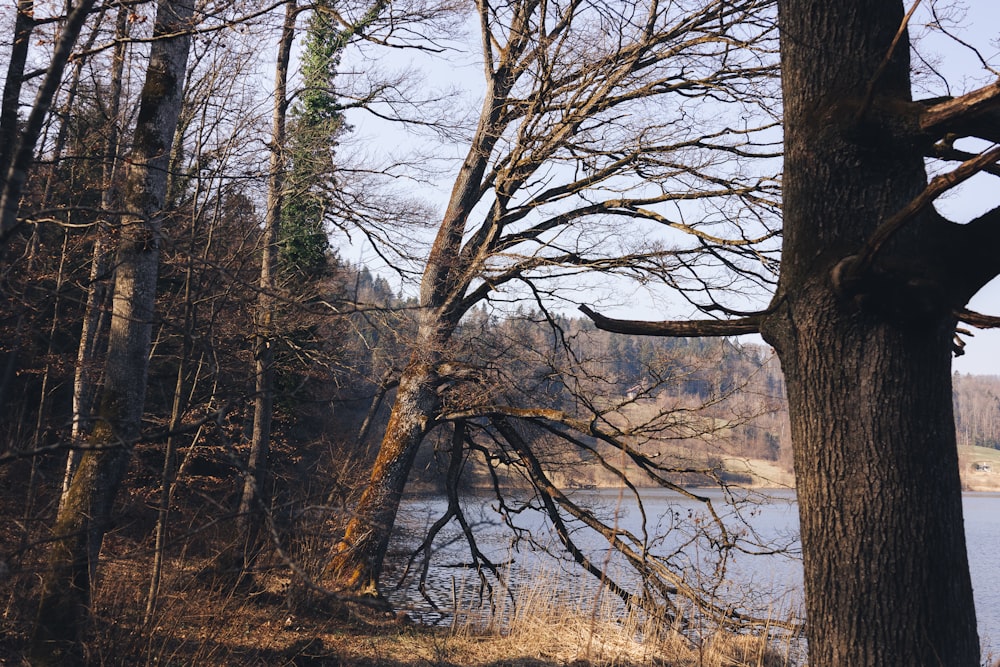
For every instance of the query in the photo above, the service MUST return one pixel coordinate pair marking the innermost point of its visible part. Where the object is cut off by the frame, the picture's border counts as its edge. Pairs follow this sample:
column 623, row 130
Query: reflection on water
column 775, row 580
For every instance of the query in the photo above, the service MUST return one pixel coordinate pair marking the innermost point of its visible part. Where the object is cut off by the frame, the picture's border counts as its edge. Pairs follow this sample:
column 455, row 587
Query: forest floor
column 203, row 623
column 205, row 616
column 203, row 620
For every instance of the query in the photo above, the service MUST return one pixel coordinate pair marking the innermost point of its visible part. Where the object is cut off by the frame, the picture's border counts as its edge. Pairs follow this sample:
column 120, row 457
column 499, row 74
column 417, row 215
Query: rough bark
column 86, row 514
column 357, row 562
column 866, row 351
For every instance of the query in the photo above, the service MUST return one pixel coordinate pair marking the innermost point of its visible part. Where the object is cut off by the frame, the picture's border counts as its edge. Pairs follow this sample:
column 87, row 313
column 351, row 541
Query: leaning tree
column 589, row 125
column 873, row 283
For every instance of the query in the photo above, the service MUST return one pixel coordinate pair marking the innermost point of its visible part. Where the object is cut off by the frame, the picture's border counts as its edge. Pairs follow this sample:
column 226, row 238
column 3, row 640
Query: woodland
column 264, row 269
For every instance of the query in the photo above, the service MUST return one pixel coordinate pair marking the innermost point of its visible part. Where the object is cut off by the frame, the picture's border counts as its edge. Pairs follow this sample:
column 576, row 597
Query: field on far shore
column 980, row 468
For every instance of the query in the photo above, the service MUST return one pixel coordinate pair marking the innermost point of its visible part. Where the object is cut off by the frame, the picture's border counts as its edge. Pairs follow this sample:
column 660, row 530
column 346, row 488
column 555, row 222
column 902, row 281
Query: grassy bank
column 205, row 621
column 980, row 468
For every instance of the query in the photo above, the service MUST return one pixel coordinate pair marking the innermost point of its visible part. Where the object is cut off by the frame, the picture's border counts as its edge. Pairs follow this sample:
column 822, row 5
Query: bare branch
column 743, row 325
column 978, row 320
column 945, row 150
column 938, row 186
column 974, row 114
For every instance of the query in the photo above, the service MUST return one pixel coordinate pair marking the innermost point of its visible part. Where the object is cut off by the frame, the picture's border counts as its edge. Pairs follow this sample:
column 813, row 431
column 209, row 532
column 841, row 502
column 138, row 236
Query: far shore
column 979, row 469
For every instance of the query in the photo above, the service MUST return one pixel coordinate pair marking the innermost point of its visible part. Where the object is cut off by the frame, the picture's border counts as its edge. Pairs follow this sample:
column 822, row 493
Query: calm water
column 669, row 523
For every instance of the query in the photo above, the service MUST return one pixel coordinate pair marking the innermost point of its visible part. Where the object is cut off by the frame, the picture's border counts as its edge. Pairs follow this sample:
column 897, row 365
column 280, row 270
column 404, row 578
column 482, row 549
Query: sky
column 945, row 67
column 977, row 25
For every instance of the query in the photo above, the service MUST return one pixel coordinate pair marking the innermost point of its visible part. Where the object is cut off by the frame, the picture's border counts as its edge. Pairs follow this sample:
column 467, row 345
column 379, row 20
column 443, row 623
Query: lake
column 774, row 580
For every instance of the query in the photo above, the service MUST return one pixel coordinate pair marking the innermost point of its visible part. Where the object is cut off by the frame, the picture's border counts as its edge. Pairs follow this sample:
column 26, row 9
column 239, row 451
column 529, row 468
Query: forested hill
column 343, row 344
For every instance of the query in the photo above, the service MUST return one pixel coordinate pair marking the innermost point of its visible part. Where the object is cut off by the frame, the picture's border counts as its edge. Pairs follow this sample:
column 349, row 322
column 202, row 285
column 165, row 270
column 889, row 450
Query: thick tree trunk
column 357, row 563
column 86, row 513
column 887, row 582
column 867, row 357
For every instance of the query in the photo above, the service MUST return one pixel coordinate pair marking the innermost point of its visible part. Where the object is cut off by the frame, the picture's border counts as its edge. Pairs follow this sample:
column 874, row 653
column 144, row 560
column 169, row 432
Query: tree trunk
column 94, row 324
column 883, row 545
column 867, row 357
column 167, row 476
column 256, row 487
column 24, row 24
column 21, row 156
column 357, row 563
column 85, row 516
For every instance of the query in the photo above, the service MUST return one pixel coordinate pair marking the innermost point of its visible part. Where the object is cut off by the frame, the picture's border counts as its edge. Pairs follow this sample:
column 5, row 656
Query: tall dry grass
column 592, row 627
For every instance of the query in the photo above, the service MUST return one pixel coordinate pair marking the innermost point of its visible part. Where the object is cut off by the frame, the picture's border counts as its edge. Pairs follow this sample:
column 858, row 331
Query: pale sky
column 982, row 351
column 974, row 22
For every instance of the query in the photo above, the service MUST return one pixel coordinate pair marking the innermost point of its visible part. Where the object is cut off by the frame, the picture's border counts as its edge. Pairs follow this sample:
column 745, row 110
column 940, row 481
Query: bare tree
column 22, row 156
column 584, row 128
column 84, row 517
column 538, row 421
column 873, row 282
column 256, row 483
column 24, row 25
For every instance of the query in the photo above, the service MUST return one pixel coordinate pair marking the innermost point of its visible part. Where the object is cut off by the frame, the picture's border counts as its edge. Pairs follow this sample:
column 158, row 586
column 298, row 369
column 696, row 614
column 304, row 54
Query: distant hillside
column 726, row 400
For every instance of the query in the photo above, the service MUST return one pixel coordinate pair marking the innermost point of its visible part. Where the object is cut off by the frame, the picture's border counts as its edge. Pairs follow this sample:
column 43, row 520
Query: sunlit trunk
column 357, row 563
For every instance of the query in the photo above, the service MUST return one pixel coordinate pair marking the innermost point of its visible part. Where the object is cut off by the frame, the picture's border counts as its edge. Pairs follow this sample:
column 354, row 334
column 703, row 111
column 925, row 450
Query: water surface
column 774, row 581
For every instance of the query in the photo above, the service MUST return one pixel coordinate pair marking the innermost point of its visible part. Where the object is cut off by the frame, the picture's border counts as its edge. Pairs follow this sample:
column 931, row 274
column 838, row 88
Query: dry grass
column 588, row 627
column 206, row 617
column 206, row 622
column 765, row 474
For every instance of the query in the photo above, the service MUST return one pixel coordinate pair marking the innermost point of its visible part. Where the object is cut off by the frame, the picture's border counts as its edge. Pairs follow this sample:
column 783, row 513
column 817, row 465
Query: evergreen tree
column 317, row 122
